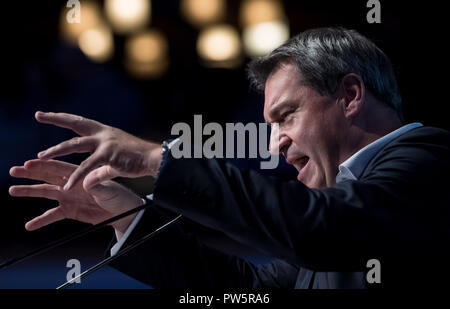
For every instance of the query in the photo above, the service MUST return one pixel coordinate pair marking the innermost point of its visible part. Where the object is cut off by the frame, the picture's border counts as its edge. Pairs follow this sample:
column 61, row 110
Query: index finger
column 83, row 169
column 22, row 172
column 82, row 126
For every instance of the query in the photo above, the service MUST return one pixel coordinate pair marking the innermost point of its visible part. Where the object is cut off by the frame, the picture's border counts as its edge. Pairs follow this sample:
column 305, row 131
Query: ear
column 352, row 94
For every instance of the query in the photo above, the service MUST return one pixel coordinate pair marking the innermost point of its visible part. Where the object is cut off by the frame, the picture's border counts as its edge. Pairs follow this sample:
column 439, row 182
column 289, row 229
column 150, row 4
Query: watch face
column 165, row 147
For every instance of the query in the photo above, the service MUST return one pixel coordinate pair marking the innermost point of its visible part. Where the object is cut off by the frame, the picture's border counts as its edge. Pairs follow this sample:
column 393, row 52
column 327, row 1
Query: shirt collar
column 353, row 166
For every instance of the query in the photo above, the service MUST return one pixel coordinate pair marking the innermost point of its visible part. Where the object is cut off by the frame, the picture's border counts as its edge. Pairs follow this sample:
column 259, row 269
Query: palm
column 98, row 204
column 79, row 205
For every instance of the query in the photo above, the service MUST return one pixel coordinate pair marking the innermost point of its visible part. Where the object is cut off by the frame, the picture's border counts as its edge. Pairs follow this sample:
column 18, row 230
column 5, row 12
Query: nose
column 285, row 142
column 274, row 139
column 278, row 142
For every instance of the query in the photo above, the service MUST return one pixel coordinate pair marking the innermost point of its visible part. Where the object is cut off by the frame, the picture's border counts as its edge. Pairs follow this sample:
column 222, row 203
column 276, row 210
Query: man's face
column 311, row 126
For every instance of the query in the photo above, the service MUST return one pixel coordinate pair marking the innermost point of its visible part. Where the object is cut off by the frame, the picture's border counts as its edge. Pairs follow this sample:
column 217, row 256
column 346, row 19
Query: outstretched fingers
column 51, row 192
column 48, row 217
column 82, row 126
column 42, row 175
column 55, row 167
column 74, row 145
column 53, row 172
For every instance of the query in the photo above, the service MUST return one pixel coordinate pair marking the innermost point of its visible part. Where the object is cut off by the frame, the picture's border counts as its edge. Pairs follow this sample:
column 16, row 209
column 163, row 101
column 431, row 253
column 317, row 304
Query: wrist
column 121, row 226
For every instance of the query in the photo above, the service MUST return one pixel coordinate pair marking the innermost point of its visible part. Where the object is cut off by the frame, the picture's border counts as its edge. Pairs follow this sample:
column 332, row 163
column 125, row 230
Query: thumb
column 113, row 197
column 101, row 192
column 99, row 175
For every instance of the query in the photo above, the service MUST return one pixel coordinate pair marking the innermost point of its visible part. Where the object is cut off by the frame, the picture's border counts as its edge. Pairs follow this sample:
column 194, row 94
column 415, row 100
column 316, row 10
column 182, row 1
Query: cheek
column 314, row 130
column 302, row 131
column 324, row 131
column 309, row 136
column 312, row 136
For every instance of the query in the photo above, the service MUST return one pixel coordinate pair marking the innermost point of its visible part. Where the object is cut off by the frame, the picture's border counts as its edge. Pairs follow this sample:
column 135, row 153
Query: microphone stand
column 119, row 254
column 73, row 236
column 88, row 230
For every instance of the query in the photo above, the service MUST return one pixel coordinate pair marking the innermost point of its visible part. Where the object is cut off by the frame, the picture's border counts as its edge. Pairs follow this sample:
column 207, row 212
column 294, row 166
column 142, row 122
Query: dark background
column 39, row 71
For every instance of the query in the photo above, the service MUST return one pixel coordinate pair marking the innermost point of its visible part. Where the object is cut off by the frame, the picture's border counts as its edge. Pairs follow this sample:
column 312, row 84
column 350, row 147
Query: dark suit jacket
column 397, row 212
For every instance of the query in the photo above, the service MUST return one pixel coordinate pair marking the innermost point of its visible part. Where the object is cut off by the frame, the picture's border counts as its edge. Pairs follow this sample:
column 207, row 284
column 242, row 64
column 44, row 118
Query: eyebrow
column 280, row 106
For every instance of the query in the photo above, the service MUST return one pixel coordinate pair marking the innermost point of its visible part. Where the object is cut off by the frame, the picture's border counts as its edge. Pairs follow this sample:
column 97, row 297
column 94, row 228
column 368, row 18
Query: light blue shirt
column 133, row 224
column 354, row 166
column 349, row 169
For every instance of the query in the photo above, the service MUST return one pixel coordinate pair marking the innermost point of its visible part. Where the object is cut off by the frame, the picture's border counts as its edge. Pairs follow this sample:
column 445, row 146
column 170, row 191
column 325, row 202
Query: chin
column 311, row 178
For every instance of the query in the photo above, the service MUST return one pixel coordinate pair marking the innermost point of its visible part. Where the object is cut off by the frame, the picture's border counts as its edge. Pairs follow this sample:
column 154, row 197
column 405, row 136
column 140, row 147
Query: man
column 368, row 187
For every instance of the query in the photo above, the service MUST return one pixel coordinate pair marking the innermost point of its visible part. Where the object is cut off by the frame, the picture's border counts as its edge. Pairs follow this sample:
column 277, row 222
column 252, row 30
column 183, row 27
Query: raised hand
column 94, row 205
column 113, row 152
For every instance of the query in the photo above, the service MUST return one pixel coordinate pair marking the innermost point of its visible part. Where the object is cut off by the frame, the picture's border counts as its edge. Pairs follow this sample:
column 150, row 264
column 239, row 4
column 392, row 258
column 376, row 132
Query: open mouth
column 301, row 164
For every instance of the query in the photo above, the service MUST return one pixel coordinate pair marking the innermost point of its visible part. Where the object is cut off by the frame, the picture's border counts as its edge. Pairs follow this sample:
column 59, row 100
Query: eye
column 285, row 115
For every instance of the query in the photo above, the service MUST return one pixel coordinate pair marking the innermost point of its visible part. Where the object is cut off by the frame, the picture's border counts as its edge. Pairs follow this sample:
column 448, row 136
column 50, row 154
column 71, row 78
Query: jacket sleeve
column 395, row 206
column 176, row 258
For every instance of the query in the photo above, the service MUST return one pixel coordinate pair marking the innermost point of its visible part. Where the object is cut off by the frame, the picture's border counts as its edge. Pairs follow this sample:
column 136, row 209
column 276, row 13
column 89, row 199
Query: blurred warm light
column 219, row 45
column 260, row 11
column 90, row 18
column 265, row 26
column 128, row 15
column 147, row 54
column 261, row 39
column 149, row 46
column 147, row 70
column 97, row 44
column 203, row 12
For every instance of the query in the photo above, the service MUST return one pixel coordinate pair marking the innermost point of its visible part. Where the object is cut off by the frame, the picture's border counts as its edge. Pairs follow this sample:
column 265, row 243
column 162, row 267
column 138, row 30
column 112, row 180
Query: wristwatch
column 165, row 146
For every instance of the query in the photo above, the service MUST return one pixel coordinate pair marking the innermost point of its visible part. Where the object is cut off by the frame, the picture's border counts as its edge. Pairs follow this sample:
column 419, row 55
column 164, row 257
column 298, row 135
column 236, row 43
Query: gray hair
column 324, row 56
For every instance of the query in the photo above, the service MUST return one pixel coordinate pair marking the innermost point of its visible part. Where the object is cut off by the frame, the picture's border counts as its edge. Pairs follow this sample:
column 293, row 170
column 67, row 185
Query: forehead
column 282, row 86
